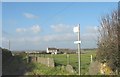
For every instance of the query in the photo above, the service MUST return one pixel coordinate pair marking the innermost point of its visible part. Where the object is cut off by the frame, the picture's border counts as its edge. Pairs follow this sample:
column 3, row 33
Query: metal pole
column 79, row 52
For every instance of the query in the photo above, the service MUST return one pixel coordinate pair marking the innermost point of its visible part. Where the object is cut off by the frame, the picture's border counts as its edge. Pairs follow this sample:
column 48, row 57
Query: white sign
column 77, row 42
column 76, row 29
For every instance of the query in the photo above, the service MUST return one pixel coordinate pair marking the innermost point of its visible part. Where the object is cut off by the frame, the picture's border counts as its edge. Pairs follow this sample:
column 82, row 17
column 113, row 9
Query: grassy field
column 72, row 59
column 40, row 69
column 17, row 65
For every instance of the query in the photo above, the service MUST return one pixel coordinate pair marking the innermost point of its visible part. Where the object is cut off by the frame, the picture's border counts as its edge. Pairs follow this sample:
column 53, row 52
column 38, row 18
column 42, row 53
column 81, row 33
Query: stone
column 70, row 69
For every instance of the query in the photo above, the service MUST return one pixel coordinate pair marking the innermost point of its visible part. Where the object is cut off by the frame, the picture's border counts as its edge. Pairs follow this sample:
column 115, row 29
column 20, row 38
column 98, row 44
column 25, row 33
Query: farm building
column 52, row 50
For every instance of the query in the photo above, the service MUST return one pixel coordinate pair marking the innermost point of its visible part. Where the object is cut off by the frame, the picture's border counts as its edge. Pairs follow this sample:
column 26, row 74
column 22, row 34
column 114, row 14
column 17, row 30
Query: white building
column 52, row 50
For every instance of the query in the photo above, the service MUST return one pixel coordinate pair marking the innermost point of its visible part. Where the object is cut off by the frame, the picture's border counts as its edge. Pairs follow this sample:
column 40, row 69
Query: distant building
column 32, row 52
column 64, row 50
column 52, row 50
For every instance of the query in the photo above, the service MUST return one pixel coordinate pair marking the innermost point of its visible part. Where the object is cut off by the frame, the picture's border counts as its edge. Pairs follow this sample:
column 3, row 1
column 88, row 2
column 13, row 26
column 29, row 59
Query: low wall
column 46, row 61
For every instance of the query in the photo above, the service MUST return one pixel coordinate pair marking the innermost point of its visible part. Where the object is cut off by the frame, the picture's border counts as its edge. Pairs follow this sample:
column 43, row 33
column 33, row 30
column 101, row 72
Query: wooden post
column 91, row 58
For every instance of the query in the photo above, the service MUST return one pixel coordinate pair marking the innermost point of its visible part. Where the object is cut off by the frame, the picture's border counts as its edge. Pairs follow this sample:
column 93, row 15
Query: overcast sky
column 38, row 25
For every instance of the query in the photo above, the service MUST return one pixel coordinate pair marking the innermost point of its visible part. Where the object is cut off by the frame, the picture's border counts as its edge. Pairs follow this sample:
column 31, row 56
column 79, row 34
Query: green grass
column 17, row 65
column 40, row 69
column 61, row 59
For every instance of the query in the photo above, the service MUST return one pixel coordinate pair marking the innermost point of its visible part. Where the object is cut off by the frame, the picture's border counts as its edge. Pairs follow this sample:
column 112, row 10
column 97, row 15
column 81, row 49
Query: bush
column 109, row 41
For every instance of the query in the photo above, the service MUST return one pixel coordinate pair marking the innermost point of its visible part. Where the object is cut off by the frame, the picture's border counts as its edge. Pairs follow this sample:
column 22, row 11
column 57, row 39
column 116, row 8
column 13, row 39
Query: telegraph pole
column 9, row 44
column 79, row 52
column 77, row 30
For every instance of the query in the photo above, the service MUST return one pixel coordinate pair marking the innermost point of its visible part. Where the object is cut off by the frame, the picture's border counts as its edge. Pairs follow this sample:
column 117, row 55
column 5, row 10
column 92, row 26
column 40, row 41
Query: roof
column 52, row 49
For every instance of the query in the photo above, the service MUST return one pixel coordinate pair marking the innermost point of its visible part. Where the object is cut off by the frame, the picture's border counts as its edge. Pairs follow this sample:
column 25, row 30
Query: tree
column 109, row 41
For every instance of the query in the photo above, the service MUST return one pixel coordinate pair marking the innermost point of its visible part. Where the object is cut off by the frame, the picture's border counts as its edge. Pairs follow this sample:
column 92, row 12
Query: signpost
column 76, row 42
column 77, row 30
